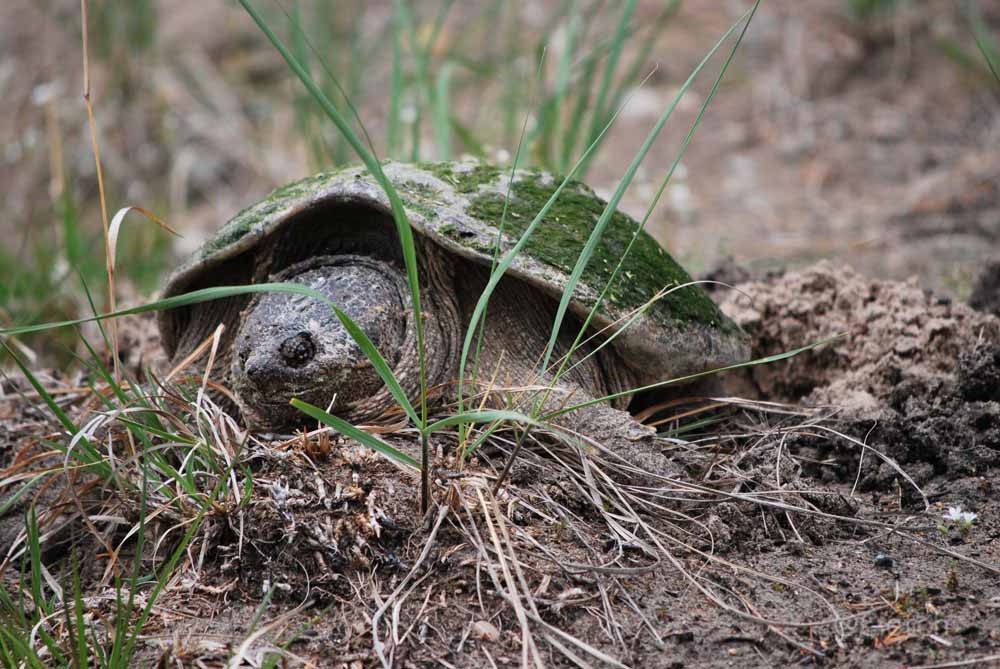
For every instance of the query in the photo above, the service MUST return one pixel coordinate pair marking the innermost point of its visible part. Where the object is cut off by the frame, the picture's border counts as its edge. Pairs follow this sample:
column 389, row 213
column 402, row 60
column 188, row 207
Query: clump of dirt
column 938, row 429
column 951, row 424
column 916, row 377
column 892, row 333
column 978, row 373
column 306, row 526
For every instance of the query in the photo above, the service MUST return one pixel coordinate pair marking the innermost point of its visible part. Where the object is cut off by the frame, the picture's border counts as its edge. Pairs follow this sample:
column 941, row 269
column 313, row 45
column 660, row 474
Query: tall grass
column 42, row 615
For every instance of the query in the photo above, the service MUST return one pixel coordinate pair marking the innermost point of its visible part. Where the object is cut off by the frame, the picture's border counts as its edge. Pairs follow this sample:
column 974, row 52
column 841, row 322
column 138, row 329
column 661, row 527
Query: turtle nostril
column 298, row 350
column 254, row 370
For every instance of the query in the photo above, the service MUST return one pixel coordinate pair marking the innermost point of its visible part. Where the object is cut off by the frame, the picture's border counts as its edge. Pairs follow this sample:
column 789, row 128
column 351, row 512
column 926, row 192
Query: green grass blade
column 17, row 650
column 11, row 500
column 960, row 56
column 562, row 79
column 691, row 377
column 135, row 396
column 162, row 434
column 81, row 660
column 423, row 61
column 605, row 341
column 501, row 268
column 442, row 112
column 641, row 56
column 659, row 193
column 624, row 183
column 44, row 394
column 175, row 557
column 480, row 440
column 35, row 561
column 406, row 25
column 348, row 430
column 484, row 417
column 470, row 142
column 90, row 456
column 695, row 426
column 121, row 651
column 11, row 610
column 93, row 310
column 493, row 265
column 550, row 115
column 395, row 89
column 300, row 106
column 986, row 44
column 617, row 43
column 579, row 111
column 42, row 608
column 512, row 81
column 355, row 62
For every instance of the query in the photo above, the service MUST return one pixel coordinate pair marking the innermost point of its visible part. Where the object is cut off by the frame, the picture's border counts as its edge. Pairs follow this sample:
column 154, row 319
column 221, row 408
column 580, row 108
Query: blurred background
column 862, row 131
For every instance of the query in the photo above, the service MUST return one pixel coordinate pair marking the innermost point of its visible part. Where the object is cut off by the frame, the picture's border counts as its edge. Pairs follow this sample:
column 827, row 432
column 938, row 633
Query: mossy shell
column 459, row 206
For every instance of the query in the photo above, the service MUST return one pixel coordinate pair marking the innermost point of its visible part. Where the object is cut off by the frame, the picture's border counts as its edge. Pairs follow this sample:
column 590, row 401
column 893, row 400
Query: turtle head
column 291, row 345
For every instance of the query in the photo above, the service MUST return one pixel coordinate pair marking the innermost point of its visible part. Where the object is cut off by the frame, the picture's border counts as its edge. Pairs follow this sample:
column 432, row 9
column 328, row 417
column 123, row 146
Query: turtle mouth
column 272, row 409
column 281, row 398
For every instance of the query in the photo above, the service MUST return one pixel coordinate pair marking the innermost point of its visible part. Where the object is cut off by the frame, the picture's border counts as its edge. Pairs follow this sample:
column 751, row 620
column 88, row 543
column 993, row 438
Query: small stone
column 484, row 630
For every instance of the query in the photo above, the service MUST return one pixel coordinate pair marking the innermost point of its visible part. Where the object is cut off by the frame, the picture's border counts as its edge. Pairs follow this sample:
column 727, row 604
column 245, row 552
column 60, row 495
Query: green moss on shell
column 419, row 198
column 256, row 215
column 464, row 180
column 561, row 237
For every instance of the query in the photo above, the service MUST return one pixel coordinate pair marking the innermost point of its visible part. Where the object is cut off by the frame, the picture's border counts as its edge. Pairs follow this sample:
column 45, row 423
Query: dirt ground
column 810, row 527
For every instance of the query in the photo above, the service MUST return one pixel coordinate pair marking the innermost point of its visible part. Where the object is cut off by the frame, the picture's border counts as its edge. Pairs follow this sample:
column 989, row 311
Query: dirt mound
column 916, row 377
column 943, row 431
column 893, row 333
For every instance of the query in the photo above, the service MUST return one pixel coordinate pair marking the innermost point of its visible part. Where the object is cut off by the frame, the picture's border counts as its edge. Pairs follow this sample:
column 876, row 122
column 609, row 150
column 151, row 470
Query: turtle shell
column 459, row 207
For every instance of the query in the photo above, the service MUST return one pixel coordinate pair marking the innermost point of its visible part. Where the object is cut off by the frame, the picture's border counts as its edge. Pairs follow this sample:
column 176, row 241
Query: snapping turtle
column 335, row 232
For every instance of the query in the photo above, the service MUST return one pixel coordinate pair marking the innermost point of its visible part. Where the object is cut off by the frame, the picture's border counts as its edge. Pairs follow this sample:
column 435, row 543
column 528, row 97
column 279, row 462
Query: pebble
column 484, row 630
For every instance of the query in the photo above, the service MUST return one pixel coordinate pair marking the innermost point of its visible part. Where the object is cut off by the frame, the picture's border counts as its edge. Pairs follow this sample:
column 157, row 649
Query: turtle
column 335, row 232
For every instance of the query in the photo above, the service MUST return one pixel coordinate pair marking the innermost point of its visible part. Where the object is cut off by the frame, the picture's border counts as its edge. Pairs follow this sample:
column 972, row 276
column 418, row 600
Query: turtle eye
column 298, row 350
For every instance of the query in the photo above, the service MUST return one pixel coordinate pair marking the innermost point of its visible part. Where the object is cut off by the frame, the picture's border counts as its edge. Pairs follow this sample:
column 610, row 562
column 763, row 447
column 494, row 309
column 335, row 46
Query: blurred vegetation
column 865, row 9
column 984, row 60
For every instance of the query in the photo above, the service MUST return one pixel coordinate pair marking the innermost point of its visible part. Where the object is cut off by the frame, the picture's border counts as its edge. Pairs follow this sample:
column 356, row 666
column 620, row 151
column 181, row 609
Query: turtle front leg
column 627, row 448
column 621, row 446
